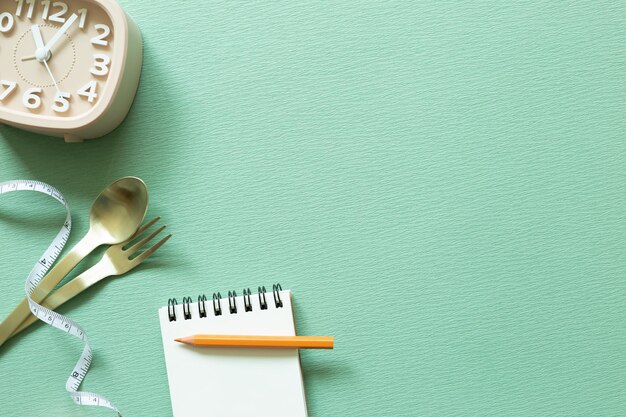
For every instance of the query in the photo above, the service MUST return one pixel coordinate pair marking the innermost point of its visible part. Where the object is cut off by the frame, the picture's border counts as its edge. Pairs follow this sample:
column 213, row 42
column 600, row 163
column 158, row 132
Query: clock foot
column 72, row 139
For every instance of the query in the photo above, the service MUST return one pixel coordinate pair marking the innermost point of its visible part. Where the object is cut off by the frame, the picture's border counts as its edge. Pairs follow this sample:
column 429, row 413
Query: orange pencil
column 294, row 342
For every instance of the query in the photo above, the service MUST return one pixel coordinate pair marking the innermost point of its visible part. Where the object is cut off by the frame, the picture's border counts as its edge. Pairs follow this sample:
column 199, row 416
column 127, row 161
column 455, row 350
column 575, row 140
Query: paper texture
column 233, row 381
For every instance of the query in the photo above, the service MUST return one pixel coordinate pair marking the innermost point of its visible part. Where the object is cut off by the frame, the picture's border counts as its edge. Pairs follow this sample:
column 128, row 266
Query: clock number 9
column 6, row 22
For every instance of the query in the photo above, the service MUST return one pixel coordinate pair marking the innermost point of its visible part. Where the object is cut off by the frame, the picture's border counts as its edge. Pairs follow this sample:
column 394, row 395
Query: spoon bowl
column 118, row 211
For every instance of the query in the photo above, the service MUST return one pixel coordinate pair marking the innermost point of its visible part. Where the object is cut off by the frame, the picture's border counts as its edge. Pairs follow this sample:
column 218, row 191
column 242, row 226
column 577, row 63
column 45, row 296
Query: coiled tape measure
column 50, row 317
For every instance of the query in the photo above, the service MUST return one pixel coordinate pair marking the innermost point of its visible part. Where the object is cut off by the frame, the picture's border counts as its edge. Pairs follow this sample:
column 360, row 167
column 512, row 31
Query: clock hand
column 44, row 50
column 37, row 36
column 41, row 54
column 57, row 36
column 59, row 94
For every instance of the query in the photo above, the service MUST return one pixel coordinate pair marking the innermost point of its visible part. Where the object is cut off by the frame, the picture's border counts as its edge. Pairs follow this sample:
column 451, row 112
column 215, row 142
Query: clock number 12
column 55, row 17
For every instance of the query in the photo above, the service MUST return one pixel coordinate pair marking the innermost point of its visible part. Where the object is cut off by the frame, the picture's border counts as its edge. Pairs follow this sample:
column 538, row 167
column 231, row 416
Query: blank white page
column 234, row 382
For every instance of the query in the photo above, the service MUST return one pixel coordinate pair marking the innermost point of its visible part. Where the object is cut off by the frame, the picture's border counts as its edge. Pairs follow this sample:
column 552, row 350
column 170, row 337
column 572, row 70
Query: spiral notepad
column 233, row 381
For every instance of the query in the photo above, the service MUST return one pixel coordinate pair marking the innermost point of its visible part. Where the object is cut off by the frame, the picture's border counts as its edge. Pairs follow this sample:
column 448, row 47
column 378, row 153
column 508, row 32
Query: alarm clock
column 67, row 68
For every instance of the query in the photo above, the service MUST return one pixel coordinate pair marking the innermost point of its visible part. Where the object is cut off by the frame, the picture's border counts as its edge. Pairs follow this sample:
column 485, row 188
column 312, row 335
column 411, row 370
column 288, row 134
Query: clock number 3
column 100, row 65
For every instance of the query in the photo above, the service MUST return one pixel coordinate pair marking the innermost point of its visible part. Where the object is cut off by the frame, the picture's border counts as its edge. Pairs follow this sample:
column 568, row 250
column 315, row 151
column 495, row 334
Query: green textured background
column 442, row 185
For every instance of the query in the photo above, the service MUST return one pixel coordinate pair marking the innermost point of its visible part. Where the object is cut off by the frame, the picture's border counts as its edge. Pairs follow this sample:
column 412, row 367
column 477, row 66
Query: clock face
column 55, row 57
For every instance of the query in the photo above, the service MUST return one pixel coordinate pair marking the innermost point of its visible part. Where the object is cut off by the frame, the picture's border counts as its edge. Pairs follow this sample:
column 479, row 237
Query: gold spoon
column 115, row 216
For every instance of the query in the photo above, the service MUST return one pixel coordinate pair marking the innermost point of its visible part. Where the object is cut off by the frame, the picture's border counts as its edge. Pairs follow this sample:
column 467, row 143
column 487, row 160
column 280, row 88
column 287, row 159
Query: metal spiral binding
column 171, row 310
column 247, row 302
column 276, row 288
column 232, row 305
column 186, row 309
column 217, row 308
column 202, row 307
column 262, row 302
column 232, row 302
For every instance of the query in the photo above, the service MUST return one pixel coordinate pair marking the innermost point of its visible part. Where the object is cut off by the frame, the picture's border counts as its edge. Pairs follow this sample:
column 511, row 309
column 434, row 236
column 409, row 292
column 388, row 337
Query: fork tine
column 143, row 241
column 142, row 257
column 145, row 227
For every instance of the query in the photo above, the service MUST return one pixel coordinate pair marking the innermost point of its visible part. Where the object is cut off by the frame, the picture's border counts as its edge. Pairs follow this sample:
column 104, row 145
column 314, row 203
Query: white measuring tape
column 50, row 317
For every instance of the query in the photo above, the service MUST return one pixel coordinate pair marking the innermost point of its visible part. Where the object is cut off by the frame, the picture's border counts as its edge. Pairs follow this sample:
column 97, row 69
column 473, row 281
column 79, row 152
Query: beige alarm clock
column 67, row 68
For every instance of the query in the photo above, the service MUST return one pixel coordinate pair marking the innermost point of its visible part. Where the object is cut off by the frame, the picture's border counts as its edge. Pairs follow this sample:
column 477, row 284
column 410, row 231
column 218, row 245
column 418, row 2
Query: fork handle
column 68, row 291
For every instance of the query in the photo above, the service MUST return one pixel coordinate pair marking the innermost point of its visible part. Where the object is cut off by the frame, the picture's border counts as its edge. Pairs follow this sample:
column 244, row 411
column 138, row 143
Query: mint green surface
column 441, row 184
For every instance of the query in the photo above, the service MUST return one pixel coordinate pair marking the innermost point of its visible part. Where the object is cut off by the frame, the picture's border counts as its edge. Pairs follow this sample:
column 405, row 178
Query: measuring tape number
column 50, row 317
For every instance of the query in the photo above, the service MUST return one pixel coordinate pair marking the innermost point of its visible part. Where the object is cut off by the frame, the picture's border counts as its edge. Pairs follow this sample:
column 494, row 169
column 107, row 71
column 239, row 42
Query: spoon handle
column 47, row 284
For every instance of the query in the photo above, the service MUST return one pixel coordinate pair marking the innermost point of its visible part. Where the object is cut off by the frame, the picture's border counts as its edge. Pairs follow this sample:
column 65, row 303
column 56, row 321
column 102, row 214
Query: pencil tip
column 180, row 339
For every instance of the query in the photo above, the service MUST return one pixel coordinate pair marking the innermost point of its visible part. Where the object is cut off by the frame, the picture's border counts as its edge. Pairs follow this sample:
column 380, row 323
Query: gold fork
column 115, row 261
